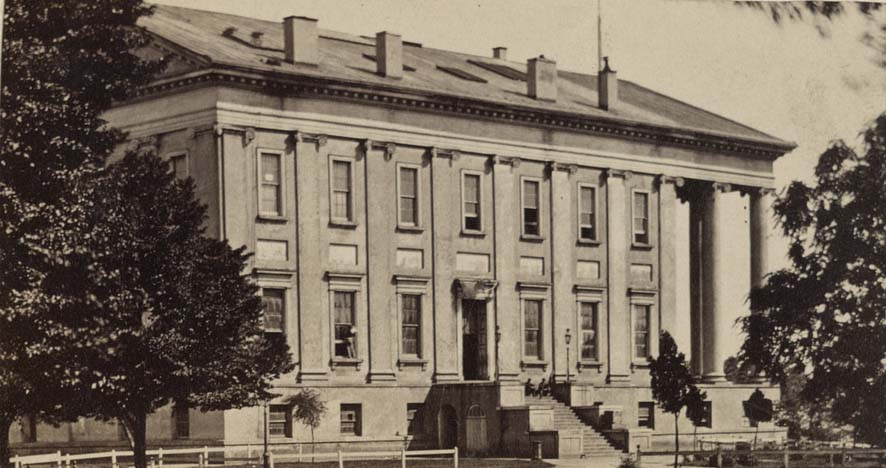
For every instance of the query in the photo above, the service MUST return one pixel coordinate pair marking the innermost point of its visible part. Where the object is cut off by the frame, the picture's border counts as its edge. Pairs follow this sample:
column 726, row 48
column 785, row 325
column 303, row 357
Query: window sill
column 412, row 362
column 638, row 246
column 346, row 362
column 410, row 229
column 342, row 223
column 589, row 242
column 589, row 364
column 469, row 233
column 533, row 363
column 531, row 238
column 637, row 364
column 269, row 218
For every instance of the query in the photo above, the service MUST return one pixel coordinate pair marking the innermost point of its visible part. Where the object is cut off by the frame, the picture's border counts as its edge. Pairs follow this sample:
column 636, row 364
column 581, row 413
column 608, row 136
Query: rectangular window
column 707, row 415
column 280, row 421
column 181, row 420
column 642, row 316
column 413, row 418
column 588, row 331
column 411, row 304
column 531, row 211
column 587, row 213
column 472, row 220
column 408, row 195
column 350, row 419
column 641, row 218
column 341, row 190
column 345, row 326
column 178, row 165
column 270, row 202
column 274, row 308
column 646, row 414
column 532, row 321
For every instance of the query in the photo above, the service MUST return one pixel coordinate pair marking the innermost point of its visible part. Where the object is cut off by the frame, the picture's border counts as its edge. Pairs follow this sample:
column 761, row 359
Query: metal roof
column 227, row 40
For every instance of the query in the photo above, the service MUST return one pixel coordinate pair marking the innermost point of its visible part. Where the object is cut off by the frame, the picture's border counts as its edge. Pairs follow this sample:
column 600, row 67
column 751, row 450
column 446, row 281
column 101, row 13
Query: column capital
column 721, row 187
column 619, row 173
column 758, row 191
column 388, row 148
column 663, row 179
column 302, row 137
column 557, row 166
column 512, row 161
column 451, row 154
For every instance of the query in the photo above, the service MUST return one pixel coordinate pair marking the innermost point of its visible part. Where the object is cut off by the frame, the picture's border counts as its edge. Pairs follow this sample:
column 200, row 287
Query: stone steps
column 594, row 444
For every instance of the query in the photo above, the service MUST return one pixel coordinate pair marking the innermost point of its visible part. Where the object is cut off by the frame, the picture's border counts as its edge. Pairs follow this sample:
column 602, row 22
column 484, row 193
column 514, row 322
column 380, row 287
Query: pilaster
column 379, row 219
column 619, row 318
column 563, row 239
column 314, row 316
column 667, row 252
column 506, row 230
column 444, row 188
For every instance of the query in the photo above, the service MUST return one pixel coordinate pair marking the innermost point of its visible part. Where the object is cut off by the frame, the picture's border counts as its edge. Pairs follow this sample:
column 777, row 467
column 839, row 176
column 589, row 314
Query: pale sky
column 785, row 80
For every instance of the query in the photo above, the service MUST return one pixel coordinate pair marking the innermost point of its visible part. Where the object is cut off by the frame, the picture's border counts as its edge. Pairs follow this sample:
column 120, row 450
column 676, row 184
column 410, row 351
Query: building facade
column 431, row 230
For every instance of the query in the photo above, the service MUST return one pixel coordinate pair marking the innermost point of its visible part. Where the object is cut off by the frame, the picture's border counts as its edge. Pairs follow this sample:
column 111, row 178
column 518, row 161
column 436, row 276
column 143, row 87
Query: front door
column 474, row 339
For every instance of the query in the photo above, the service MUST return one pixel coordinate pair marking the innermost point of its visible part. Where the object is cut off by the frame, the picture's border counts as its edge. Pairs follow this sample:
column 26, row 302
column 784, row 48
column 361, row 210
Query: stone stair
column 593, row 443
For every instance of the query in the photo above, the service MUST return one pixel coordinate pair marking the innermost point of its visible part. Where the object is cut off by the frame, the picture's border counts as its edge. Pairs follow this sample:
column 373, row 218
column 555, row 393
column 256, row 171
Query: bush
column 628, row 462
column 727, row 460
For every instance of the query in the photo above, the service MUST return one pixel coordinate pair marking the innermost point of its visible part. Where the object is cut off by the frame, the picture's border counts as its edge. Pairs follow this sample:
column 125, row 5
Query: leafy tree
column 696, row 410
column 673, row 386
column 63, row 64
column 757, row 409
column 168, row 314
column 825, row 316
column 308, row 408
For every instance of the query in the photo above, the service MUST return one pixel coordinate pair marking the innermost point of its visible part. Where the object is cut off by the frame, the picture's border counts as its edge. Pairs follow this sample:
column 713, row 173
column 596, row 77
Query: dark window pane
column 273, row 302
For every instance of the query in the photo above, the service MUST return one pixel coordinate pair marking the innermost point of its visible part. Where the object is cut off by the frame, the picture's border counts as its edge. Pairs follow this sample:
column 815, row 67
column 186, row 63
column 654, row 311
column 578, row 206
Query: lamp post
column 266, row 455
column 497, row 355
column 568, row 340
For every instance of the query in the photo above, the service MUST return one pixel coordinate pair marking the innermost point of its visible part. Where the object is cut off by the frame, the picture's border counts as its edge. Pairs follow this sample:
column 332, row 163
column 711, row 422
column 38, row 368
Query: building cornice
column 314, row 87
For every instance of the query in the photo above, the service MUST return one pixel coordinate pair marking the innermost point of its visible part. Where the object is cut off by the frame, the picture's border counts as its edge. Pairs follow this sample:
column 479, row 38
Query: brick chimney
column 541, row 79
column 500, row 52
column 607, row 87
column 301, row 40
column 389, row 54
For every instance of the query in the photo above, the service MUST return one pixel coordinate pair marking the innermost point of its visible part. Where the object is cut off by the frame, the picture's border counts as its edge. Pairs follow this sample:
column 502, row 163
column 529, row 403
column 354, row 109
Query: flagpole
column 599, row 36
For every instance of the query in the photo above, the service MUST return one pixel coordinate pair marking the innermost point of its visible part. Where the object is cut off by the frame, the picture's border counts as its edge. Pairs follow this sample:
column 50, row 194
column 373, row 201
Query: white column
column 563, row 238
column 667, row 226
column 760, row 215
column 716, row 325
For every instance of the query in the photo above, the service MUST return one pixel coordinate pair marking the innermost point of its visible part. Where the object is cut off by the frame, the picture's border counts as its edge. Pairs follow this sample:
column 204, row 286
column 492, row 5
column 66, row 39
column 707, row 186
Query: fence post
column 787, row 457
column 455, row 457
column 205, row 455
column 68, row 460
column 402, row 458
column 114, row 458
column 301, row 448
column 200, row 460
column 271, row 459
column 160, row 456
column 639, row 456
column 341, row 461
column 719, row 456
column 58, row 459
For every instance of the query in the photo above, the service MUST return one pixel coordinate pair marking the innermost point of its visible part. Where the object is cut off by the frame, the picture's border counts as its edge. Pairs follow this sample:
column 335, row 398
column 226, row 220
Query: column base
column 313, row 375
column 713, row 378
column 442, row 377
column 615, row 378
column 382, row 376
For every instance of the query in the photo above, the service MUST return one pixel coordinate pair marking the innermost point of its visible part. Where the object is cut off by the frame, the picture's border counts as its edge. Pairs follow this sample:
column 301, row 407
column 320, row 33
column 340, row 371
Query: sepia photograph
column 442, row 233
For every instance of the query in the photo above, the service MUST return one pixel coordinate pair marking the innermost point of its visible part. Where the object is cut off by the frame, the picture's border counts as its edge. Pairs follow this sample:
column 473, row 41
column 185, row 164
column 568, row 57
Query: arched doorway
column 476, row 431
column 447, row 427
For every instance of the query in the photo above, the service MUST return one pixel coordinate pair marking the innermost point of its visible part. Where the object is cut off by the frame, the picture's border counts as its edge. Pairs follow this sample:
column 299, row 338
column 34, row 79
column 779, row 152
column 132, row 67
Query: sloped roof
column 226, row 40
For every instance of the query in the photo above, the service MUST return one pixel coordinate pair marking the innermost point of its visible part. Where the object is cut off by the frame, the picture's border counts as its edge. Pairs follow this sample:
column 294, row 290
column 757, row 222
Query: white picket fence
column 155, row 457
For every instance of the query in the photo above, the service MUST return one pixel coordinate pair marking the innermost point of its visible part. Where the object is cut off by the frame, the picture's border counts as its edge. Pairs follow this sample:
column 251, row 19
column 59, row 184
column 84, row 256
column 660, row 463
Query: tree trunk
column 676, row 438
column 136, row 429
column 5, row 454
column 312, row 444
